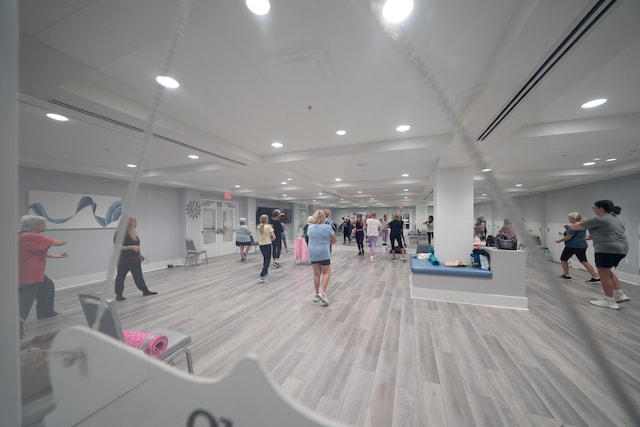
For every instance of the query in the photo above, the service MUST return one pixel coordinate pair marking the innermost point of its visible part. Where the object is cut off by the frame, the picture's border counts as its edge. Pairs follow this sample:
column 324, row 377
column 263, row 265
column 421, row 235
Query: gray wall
column 159, row 211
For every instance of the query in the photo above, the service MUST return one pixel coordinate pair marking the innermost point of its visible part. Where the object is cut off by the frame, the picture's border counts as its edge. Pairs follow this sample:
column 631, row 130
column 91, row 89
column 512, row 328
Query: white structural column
column 9, row 355
column 453, row 213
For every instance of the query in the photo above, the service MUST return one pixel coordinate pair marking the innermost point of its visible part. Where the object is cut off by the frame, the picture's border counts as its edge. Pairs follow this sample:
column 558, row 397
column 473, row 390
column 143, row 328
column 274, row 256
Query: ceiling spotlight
column 168, row 82
column 406, row 197
column 486, row 170
column 284, row 195
column 518, row 185
column 259, row 7
column 594, row 103
column 341, row 132
column 289, row 179
column 237, row 186
column 284, row 183
column 613, row 159
column 588, row 163
column 405, row 175
column 57, row 117
column 131, row 165
column 403, row 128
column 484, row 194
column 359, row 191
column 320, row 194
column 397, row 10
column 406, row 189
column 193, row 156
column 338, row 179
column 276, row 144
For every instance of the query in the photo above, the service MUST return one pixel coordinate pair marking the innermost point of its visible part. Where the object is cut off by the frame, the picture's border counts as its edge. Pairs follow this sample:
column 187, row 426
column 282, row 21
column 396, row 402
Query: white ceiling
column 311, row 67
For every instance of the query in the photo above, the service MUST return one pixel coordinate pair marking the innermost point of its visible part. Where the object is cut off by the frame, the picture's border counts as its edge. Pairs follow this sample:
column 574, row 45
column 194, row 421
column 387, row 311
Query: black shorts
column 323, row 262
column 608, row 260
column 580, row 253
column 243, row 243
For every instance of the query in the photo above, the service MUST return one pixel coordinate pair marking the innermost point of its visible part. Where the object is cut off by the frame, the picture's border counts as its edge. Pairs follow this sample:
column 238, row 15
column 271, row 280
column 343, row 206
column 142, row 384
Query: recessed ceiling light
column 237, row 186
column 57, row 117
column 193, row 156
column 613, row 159
column 486, row 170
column 284, row 183
column 131, row 165
column 518, row 185
column 594, row 103
column 588, row 163
column 259, row 7
column 276, row 144
column 406, row 197
column 406, row 189
column 320, row 193
column 284, row 195
column 338, row 179
column 484, row 194
column 370, row 198
column 359, row 191
column 168, row 82
column 314, row 200
column 403, row 128
column 341, row 132
column 596, row 159
column 397, row 10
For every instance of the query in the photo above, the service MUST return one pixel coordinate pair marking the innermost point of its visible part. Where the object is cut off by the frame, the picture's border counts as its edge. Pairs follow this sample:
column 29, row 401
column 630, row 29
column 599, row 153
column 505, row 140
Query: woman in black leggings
column 396, row 226
column 360, row 234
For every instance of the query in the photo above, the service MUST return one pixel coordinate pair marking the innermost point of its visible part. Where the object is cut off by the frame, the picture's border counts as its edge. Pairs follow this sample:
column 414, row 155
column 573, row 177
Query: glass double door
column 219, row 221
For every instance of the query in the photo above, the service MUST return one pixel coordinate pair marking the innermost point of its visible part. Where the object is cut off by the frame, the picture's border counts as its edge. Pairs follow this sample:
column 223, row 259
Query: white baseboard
column 487, row 300
column 87, row 279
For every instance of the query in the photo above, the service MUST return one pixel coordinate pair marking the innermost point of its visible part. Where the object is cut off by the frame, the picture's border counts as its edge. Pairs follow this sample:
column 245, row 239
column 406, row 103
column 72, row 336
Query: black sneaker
column 146, row 294
column 592, row 280
column 565, row 277
column 120, row 298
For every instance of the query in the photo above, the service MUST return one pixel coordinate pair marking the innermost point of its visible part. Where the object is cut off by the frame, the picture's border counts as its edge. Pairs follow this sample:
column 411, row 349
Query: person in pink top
column 33, row 251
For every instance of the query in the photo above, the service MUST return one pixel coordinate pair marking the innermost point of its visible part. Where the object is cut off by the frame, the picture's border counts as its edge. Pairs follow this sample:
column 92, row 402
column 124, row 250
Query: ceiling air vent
column 563, row 47
column 137, row 129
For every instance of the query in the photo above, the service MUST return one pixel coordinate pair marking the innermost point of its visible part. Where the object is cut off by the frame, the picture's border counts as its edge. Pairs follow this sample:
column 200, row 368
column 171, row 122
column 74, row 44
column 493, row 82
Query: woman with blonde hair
column 575, row 243
column 130, row 261
column 267, row 236
column 321, row 237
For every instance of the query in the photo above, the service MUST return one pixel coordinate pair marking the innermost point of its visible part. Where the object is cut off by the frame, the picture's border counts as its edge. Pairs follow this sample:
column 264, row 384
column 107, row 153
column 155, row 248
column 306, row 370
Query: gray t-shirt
column 607, row 233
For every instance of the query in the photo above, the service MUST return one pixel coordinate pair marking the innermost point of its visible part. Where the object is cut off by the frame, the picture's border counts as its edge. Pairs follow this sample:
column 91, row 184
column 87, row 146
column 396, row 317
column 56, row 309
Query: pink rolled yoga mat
column 153, row 345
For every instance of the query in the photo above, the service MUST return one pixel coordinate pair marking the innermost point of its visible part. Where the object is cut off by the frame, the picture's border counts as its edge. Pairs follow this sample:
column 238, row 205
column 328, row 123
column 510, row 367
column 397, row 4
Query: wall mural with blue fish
column 69, row 210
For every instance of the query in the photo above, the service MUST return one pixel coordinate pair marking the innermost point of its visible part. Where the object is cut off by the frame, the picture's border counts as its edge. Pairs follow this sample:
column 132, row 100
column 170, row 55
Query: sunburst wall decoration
column 194, row 209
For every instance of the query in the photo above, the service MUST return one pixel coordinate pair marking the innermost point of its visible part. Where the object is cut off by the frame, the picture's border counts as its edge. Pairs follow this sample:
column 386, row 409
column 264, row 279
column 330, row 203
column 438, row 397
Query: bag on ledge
column 504, row 243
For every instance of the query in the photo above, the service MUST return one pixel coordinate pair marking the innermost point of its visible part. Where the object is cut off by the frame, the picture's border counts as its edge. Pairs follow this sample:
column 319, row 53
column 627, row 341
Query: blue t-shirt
column 578, row 240
column 319, row 241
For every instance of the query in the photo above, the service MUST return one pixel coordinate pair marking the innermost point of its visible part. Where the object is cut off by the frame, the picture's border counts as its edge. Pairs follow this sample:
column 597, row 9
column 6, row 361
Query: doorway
column 219, row 221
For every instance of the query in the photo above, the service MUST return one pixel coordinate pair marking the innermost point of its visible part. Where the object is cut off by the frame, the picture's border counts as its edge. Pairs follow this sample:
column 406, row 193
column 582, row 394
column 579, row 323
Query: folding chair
column 110, row 325
column 192, row 251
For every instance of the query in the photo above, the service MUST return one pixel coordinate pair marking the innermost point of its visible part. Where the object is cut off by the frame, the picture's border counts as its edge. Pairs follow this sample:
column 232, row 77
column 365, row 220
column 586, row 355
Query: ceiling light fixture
column 594, row 103
column 403, row 128
column 338, row 179
column 237, row 186
column 406, row 189
column 486, row 170
column 284, row 183
column 168, row 82
column 289, row 179
column 397, row 10
column 341, row 132
column 405, row 175
column 277, row 144
column 359, row 191
column 131, row 165
column 193, row 156
column 284, row 195
column 259, row 7
column 57, row 117
column 588, row 163
column 613, row 159
column 518, row 185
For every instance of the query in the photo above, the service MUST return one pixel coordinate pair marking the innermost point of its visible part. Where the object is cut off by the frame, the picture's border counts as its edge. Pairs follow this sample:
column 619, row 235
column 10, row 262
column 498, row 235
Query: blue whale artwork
column 112, row 214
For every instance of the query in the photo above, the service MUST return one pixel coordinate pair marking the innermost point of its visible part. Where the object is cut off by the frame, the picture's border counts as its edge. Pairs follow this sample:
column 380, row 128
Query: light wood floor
column 376, row 357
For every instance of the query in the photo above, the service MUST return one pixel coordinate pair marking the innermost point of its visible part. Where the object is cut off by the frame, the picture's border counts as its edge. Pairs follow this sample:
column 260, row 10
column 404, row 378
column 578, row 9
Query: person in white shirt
column 373, row 228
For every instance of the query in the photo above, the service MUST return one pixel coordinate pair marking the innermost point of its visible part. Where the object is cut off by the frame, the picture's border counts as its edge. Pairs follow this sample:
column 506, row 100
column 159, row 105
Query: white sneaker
column 262, row 279
column 316, row 298
column 323, row 298
column 607, row 302
column 371, row 259
column 621, row 297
